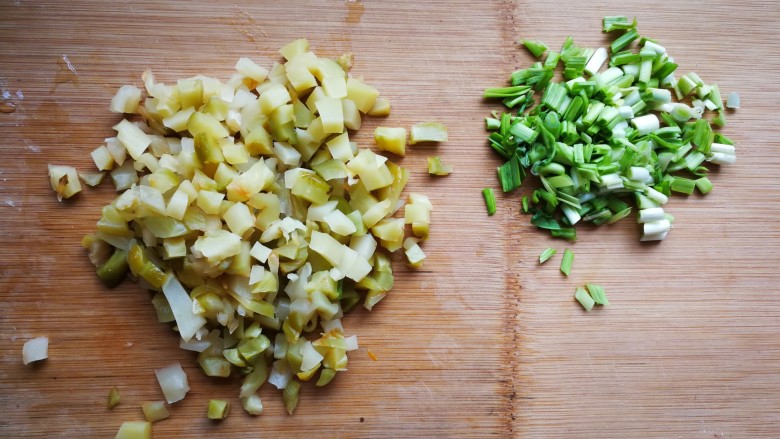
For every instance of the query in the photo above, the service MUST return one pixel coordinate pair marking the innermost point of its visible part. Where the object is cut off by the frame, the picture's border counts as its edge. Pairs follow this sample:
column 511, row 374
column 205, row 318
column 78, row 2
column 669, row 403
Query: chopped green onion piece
column 603, row 135
column 568, row 234
column 505, row 92
column 584, row 298
column 683, row 185
column 618, row 23
column 490, row 200
column 704, row 185
column 510, row 175
column 536, row 48
column 551, row 62
column 624, row 40
column 567, row 261
column 113, row 397
column 720, row 119
column 525, row 205
column 732, row 100
column 524, row 133
column 547, row 254
column 598, row 294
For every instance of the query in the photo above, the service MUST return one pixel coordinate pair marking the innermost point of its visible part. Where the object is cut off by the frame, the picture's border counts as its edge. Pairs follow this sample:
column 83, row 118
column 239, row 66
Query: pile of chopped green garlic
column 607, row 135
column 254, row 218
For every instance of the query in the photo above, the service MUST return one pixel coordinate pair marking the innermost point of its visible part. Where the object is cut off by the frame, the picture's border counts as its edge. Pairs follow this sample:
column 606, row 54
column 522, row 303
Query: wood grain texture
column 482, row 342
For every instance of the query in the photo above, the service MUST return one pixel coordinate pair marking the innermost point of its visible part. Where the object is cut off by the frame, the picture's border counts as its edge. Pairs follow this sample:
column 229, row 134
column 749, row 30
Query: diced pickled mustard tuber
column 254, row 217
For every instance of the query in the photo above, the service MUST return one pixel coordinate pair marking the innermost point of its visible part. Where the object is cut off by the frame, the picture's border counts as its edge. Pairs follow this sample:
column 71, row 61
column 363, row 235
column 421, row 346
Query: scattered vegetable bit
column 381, row 108
column 326, row 376
column 490, row 200
column 290, row 396
column 173, row 382
column 64, row 180
column 113, row 397
column 427, row 132
column 114, row 270
column 618, row 23
column 414, row 254
column 418, row 213
column 36, row 349
column 704, row 185
column 391, row 140
column 610, row 136
column 598, row 294
column 547, row 254
column 594, row 295
column 567, row 261
column 252, row 404
column 218, row 409
column 155, row 411
column 584, row 298
column 436, row 167
column 371, row 355
column 537, row 48
column 92, row 178
column 732, row 100
column 134, row 430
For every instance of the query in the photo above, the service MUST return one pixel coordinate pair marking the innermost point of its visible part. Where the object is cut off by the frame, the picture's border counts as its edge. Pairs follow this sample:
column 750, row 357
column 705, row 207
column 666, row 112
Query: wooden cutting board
column 483, row 342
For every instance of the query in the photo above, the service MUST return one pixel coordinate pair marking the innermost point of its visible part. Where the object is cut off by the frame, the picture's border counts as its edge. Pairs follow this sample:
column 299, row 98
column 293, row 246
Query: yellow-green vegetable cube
column 391, row 140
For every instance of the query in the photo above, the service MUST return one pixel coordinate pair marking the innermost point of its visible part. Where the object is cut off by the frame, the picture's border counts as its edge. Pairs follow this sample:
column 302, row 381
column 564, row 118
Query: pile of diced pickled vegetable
column 254, row 218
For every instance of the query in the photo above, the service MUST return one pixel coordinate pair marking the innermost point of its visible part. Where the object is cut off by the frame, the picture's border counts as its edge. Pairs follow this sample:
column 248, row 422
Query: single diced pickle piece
column 113, row 398
column 218, row 409
column 64, row 181
column 352, row 119
column 134, row 430
column 335, row 86
column 362, row 94
column 340, row 149
column 391, row 140
column 126, row 99
column 414, row 254
column 436, row 167
column 371, row 169
column 301, row 78
column 294, row 48
column 332, row 115
column 380, row 108
column 428, row 132
column 155, row 411
column 248, row 69
column 311, row 187
column 204, row 123
column 272, row 97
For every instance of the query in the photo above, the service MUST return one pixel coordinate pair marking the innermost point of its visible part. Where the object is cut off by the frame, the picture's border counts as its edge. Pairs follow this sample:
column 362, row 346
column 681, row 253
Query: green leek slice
column 490, row 200
column 547, row 254
column 567, row 261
